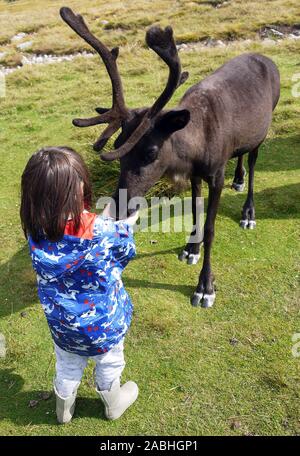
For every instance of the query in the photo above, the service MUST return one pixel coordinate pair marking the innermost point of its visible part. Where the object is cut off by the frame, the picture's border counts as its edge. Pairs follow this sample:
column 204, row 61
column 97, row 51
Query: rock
column 210, row 42
column 33, row 403
column 294, row 37
column 104, row 22
column 153, row 241
column 182, row 47
column 18, row 37
column 221, row 4
column 233, row 341
column 285, row 423
column 23, row 46
column 6, row 71
column 25, row 61
column 220, row 43
column 2, row 55
column 23, row 314
column 276, row 32
column 235, row 424
column 268, row 42
column 45, row 395
column 2, row 346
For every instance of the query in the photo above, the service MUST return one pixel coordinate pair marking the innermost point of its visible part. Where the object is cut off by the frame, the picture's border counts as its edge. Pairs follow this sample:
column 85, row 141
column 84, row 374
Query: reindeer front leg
column 191, row 251
column 204, row 295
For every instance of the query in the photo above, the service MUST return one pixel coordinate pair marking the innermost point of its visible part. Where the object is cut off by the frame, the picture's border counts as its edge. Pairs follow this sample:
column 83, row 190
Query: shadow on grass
column 279, row 154
column 18, row 282
column 15, row 403
column 185, row 290
column 272, row 203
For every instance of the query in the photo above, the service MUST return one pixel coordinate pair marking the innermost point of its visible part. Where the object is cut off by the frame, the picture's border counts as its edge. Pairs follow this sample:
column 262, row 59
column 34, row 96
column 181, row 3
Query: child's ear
column 173, row 120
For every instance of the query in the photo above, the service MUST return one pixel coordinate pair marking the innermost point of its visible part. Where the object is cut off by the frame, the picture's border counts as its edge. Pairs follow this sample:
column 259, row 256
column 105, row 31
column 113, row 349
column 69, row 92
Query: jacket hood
column 56, row 259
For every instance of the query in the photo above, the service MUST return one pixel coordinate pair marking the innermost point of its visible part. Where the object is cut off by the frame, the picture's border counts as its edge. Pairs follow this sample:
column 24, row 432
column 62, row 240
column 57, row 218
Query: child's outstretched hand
column 131, row 220
column 107, row 211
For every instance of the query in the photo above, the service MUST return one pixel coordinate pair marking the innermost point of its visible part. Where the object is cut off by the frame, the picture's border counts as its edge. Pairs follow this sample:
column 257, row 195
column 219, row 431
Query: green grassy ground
column 124, row 23
column 192, row 379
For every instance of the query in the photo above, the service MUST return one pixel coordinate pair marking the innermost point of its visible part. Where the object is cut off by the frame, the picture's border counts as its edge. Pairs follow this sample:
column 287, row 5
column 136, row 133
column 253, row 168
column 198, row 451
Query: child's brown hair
column 55, row 186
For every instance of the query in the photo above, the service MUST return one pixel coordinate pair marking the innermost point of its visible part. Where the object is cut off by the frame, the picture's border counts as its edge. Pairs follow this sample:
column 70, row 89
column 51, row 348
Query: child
column 78, row 258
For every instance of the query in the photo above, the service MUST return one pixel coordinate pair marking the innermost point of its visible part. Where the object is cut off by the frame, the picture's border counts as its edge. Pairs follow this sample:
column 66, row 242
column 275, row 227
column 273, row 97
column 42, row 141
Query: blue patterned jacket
column 79, row 284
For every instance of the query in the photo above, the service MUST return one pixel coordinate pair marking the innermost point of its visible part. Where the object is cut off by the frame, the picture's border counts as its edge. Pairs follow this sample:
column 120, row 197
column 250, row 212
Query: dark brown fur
column 226, row 115
column 230, row 113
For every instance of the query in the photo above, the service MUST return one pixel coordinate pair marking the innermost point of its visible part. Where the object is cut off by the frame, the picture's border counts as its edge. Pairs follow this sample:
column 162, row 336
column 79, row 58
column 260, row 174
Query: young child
column 78, row 258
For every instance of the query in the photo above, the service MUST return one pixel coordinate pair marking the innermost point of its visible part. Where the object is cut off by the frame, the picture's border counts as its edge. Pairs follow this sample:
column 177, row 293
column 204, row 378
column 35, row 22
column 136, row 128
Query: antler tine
column 107, row 133
column 161, row 42
column 130, row 143
column 103, row 118
column 118, row 112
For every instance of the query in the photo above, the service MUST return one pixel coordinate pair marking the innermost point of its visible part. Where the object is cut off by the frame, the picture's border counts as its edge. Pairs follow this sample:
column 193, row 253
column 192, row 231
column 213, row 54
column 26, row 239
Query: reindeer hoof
column 196, row 299
column 193, row 258
column 203, row 300
column 238, row 187
column 208, row 300
column 250, row 224
column 244, row 224
column 183, row 255
column 190, row 258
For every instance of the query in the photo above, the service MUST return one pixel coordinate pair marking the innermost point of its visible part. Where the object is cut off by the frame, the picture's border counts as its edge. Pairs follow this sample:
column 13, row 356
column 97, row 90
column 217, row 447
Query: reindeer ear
column 173, row 120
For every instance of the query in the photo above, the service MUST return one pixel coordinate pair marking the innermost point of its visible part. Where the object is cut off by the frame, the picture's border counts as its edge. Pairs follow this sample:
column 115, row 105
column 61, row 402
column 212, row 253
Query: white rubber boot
column 65, row 407
column 118, row 398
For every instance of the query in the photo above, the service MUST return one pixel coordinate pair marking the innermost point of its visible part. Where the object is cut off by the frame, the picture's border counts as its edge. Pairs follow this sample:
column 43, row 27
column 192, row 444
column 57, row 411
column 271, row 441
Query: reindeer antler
column 118, row 112
column 161, row 42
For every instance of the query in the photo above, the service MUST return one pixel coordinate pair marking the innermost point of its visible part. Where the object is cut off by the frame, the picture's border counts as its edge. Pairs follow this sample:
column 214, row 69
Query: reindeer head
column 144, row 131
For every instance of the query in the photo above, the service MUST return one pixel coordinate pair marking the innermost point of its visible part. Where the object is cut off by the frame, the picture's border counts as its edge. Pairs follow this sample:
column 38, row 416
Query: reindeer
column 224, row 116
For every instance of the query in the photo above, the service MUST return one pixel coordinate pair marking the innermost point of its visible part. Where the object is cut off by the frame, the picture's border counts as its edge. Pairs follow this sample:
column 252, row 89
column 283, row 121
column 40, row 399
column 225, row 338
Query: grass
column 121, row 23
column 193, row 379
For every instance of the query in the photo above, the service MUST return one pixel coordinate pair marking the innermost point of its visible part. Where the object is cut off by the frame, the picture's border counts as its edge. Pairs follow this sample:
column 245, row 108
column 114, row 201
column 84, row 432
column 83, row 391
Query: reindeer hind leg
column 248, row 212
column 205, row 294
column 191, row 252
column 238, row 183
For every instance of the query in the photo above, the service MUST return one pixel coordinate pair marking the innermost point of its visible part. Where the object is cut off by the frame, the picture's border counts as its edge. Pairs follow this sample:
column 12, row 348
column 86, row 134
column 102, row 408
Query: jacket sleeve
column 124, row 248
column 118, row 237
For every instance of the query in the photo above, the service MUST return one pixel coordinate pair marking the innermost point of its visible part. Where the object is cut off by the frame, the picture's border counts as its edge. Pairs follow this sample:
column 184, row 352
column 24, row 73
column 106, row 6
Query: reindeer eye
column 152, row 153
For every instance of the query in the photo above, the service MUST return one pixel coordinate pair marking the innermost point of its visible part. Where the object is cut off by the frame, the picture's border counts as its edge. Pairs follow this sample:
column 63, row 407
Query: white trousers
column 70, row 368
